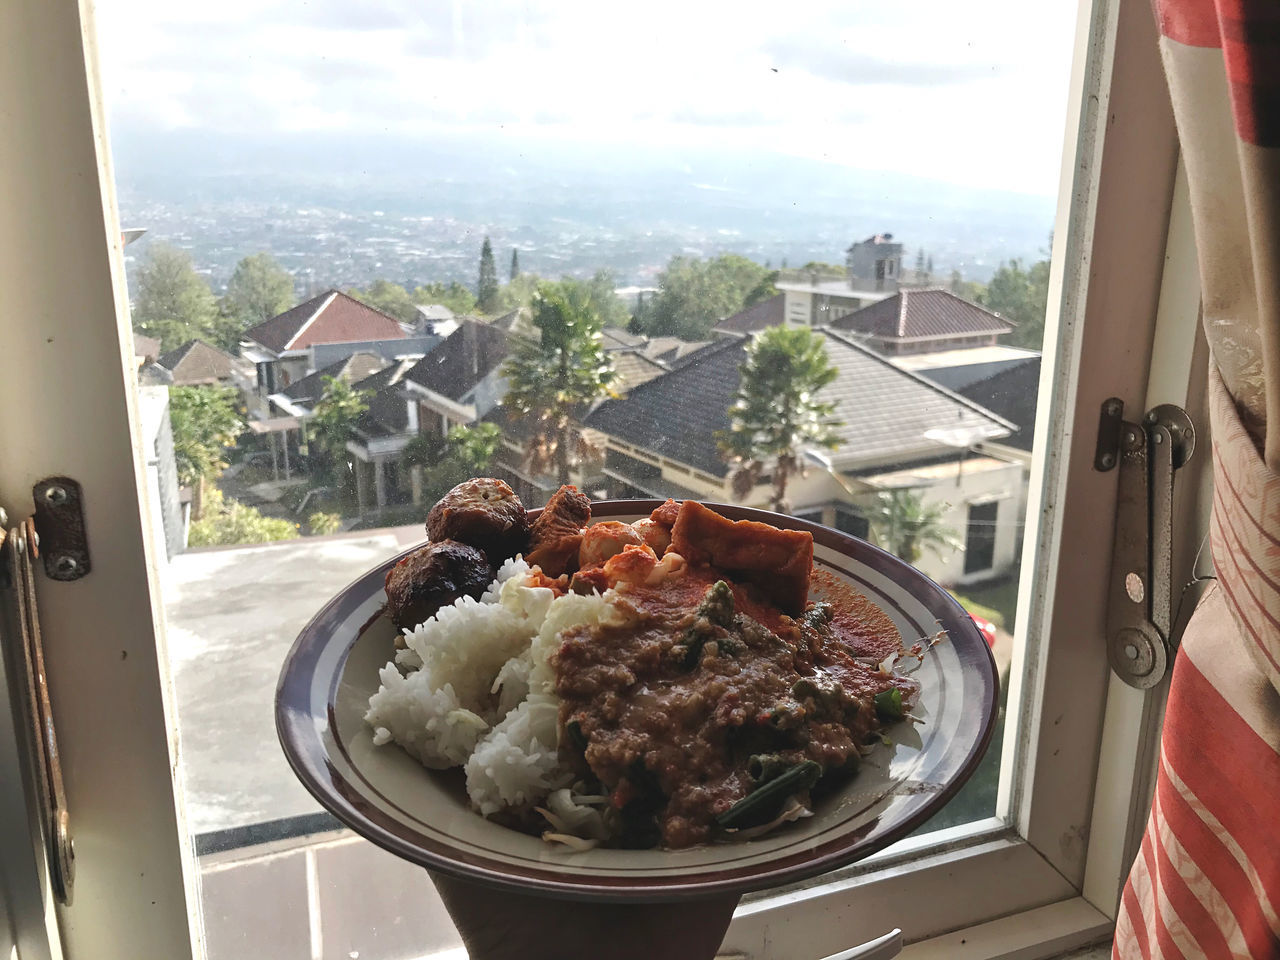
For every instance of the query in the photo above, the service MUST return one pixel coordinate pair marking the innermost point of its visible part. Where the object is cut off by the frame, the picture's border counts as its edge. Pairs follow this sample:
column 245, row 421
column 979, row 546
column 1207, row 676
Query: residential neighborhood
column 353, row 417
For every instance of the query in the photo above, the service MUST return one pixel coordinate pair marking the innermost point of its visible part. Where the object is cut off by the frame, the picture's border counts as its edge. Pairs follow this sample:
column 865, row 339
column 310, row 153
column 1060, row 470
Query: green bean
column 763, row 802
column 889, row 704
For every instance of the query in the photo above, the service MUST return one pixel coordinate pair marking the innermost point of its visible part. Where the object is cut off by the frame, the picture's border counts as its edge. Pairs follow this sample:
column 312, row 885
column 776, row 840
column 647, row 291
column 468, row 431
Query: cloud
column 836, row 62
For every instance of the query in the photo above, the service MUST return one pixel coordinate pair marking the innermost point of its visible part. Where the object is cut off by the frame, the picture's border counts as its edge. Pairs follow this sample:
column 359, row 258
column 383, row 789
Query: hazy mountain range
column 343, row 210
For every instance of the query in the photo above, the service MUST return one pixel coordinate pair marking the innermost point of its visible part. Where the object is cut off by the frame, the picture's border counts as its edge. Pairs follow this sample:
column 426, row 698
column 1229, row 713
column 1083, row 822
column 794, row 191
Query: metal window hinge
column 56, row 534
column 1140, row 604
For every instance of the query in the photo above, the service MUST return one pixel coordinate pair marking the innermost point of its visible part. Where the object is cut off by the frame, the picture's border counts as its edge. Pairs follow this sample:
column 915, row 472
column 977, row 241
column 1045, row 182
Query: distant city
column 419, row 212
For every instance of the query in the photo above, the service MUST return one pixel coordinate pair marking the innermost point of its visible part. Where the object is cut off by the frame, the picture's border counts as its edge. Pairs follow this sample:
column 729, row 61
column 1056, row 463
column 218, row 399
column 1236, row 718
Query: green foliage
column 258, row 290
column 227, row 522
column 321, row 523
column 775, row 413
column 452, row 295
column 487, row 284
column 969, row 289
column 465, row 453
column 1020, row 296
column 552, row 377
column 391, row 298
column 330, row 427
column 173, row 303
column 515, row 263
column 518, row 293
column 906, row 526
column 206, row 423
column 694, row 295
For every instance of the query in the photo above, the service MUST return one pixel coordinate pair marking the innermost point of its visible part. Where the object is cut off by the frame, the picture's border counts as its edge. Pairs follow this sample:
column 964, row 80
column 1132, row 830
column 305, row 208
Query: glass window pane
column 346, row 214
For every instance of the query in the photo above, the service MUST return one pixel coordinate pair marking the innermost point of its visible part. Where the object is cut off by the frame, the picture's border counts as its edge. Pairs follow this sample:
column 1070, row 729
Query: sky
column 971, row 93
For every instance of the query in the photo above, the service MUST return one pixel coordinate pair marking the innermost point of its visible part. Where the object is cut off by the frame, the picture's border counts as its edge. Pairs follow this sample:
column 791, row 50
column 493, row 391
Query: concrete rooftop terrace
column 232, row 614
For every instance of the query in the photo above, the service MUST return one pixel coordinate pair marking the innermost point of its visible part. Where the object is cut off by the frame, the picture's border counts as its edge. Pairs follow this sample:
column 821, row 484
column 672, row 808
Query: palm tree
column 776, row 413
column 906, row 526
column 554, row 378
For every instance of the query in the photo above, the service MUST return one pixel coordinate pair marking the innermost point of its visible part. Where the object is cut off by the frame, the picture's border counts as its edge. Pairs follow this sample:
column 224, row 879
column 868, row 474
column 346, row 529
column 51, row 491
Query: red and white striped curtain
column 1207, row 880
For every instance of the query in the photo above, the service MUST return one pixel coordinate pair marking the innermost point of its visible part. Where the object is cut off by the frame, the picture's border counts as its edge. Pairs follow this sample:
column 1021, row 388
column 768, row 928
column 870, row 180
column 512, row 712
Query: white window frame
column 1041, row 878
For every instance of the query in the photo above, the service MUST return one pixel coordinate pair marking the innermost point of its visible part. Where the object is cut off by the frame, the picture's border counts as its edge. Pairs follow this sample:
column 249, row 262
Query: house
column 956, row 369
column 923, row 320
column 379, row 438
column 282, row 347
column 199, row 364
column 434, row 318
column 813, row 300
column 875, row 263
column 458, row 381
column 897, row 431
column 631, row 368
column 753, row 319
column 299, row 398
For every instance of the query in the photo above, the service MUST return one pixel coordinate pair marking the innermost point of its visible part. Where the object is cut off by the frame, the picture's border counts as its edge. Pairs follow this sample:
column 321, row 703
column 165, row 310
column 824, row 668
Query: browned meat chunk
column 557, row 533
column 434, row 577
column 485, row 513
column 666, row 514
column 778, row 561
column 602, row 540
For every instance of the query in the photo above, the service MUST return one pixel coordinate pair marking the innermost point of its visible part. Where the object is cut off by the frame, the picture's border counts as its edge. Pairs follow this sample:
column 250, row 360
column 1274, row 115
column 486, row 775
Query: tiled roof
column 461, row 360
column 331, row 317
column 196, row 362
column 884, row 410
column 671, row 350
column 922, row 314
column 765, row 314
column 146, row 347
column 633, row 368
column 1011, row 393
column 355, row 367
column 616, row 338
column 387, row 415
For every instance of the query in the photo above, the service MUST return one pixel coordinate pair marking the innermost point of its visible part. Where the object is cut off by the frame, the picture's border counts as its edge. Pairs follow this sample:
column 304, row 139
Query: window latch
column 1140, row 613
column 56, row 535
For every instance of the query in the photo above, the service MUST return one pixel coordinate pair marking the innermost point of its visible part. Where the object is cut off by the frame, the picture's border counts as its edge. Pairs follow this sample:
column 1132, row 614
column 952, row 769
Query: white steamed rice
column 479, row 693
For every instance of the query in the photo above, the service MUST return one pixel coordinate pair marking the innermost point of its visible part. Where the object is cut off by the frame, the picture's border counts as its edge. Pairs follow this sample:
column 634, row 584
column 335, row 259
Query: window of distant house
column 980, row 537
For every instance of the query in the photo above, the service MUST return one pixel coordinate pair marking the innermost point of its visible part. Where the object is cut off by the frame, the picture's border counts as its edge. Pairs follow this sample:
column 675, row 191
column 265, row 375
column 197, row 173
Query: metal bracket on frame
column 56, row 534
column 1140, row 612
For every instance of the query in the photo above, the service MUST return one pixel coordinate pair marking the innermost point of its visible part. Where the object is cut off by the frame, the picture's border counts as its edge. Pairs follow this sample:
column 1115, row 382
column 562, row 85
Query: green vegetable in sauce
column 715, row 610
column 889, row 704
column 763, row 803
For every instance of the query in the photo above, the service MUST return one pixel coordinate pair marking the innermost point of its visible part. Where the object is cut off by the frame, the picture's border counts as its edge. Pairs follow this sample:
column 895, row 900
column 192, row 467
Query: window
column 980, row 537
column 1042, row 859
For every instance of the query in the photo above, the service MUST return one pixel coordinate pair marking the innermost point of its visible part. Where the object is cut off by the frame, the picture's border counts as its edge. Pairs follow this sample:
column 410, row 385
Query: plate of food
column 634, row 700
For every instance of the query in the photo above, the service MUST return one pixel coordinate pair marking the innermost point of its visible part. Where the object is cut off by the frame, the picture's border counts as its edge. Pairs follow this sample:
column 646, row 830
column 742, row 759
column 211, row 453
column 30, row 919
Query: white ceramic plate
column 423, row 816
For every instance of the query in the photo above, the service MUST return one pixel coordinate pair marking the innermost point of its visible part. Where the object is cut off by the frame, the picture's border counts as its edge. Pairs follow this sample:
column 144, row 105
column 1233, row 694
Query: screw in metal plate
column 1131, row 651
column 1108, row 460
column 1159, row 439
column 66, row 566
column 56, row 494
column 1113, row 407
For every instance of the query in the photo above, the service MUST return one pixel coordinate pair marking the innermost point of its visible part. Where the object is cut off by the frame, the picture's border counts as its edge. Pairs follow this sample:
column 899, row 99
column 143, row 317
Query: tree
column 600, row 290
column 174, row 304
column 487, row 285
column 518, row 293
column 230, row 521
column 906, row 526
column 452, row 295
column 776, row 413
column 694, row 295
column 515, row 263
column 1020, row 296
column 447, row 462
column 391, row 298
column 330, row 427
column 920, row 263
column 551, row 379
column 258, row 290
column 206, row 423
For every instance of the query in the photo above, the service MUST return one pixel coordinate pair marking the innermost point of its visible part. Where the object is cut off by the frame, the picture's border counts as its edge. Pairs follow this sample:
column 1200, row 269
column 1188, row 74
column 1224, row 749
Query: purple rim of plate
column 308, row 753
